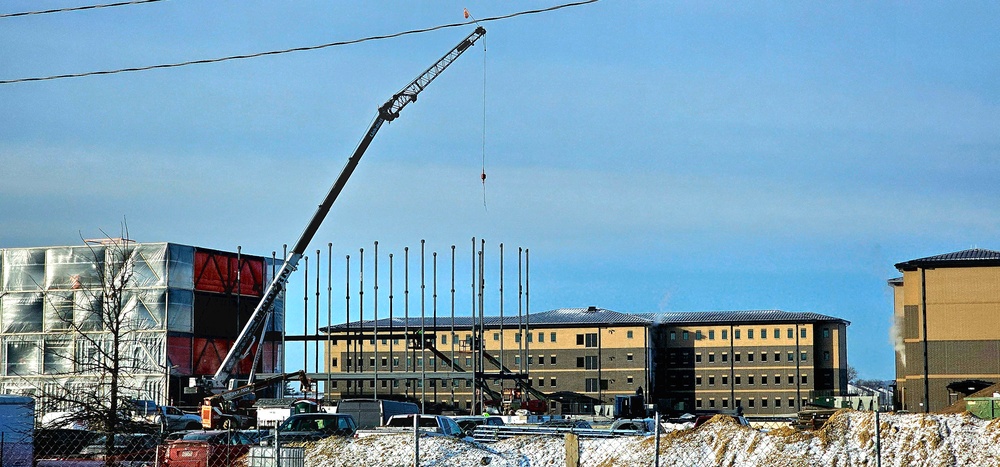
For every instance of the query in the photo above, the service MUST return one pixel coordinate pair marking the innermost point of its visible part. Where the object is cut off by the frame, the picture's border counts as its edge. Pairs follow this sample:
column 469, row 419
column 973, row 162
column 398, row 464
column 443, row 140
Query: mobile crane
column 231, row 409
column 387, row 112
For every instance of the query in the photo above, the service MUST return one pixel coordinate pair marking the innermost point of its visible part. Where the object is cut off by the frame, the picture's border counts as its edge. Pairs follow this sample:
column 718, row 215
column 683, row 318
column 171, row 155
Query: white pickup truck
column 433, row 425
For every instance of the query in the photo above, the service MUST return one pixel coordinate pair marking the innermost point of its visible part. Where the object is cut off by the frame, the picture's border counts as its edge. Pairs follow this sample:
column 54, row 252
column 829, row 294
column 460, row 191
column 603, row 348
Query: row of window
column 587, row 362
column 724, row 334
column 750, row 403
column 738, row 356
column 587, row 340
column 738, row 380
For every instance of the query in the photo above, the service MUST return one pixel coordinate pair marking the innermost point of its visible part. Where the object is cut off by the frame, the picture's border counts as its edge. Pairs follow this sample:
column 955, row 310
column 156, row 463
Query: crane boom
column 387, row 112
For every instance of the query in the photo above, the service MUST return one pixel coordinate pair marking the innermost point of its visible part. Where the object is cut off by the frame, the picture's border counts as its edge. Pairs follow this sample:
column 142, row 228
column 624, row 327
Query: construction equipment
column 232, row 409
column 388, row 112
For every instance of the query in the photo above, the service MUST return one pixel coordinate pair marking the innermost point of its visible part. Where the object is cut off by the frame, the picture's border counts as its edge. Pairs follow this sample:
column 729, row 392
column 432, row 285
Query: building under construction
column 179, row 310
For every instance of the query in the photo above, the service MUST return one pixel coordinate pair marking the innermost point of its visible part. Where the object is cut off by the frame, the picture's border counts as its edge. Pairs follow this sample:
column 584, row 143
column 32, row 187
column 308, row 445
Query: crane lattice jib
column 386, row 113
column 390, row 110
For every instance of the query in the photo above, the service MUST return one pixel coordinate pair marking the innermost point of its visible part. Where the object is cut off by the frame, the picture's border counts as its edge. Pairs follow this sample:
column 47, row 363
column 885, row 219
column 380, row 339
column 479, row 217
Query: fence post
column 572, row 450
column 656, row 443
column 878, row 438
column 416, row 440
column 277, row 446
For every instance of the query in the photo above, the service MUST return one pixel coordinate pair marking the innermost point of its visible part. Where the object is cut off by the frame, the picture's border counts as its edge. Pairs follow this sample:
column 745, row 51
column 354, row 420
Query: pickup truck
column 433, row 425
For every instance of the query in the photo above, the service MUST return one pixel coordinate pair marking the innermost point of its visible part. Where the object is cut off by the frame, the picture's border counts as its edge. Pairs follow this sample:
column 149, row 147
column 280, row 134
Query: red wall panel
column 215, row 271
column 179, row 353
column 209, row 353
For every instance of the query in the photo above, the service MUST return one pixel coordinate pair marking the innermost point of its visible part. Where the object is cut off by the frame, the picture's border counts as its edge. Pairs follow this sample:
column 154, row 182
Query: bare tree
column 94, row 364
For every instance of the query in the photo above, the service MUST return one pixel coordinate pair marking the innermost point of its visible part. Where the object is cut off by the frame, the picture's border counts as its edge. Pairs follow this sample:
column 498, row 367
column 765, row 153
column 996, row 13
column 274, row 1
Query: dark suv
column 314, row 426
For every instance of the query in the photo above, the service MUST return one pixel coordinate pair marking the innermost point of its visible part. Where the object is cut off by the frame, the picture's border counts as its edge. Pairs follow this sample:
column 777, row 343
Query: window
column 590, row 385
column 590, row 362
column 496, row 336
column 749, row 356
column 529, row 337
column 802, row 332
column 698, row 403
column 777, row 379
column 777, row 356
column 826, row 355
column 591, row 340
column 736, row 333
column 420, row 361
column 385, row 341
column 697, row 380
column 444, row 339
column 711, row 357
column 805, row 379
column 749, row 379
column 791, row 402
column 763, row 333
column 552, row 359
column 552, row 382
column 791, row 357
column 711, row 335
column 791, row 334
column 517, row 360
column 711, row 403
column 750, row 403
column 673, row 335
column 737, row 379
column 541, row 337
column 725, row 380
column 629, row 357
column 725, row 403
column 629, row 380
column 531, row 359
column 541, row 382
column 725, row 337
column 371, row 361
column 552, row 338
column 777, row 333
column 697, row 357
column 580, row 362
column 763, row 356
column 697, row 335
column 468, row 361
column 791, row 380
column 628, row 335
column 826, row 333
column 763, row 380
column 777, row 402
column 711, row 380
column 804, row 356
column 333, row 362
column 749, row 333
column 541, row 359
column 736, row 357
column 517, row 337
column 385, row 362
column 725, row 357
column 763, row 403
column 684, row 335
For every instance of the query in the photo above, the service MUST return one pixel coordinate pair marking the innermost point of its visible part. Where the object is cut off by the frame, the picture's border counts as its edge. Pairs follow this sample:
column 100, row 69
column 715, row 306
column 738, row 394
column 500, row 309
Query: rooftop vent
column 591, row 309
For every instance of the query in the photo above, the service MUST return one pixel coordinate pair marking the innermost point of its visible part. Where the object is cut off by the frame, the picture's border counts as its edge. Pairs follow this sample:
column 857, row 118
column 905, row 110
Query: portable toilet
column 17, row 431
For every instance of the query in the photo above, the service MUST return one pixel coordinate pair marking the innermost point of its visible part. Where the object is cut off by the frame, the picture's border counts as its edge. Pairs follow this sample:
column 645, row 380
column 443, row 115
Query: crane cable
column 482, row 176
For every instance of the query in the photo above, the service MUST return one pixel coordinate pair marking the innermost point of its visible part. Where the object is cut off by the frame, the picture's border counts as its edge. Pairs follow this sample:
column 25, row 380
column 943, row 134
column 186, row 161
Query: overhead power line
column 75, row 8
column 296, row 49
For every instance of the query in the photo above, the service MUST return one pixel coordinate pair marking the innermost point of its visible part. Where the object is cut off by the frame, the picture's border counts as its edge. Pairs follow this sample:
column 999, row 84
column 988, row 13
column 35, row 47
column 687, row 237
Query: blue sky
column 653, row 156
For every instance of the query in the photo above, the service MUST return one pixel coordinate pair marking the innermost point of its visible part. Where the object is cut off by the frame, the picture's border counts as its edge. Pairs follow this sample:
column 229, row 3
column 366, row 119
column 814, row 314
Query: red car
column 207, row 448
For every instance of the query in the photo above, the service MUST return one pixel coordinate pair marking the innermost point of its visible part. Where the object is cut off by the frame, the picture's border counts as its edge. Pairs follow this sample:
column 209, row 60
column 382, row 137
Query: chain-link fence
column 848, row 438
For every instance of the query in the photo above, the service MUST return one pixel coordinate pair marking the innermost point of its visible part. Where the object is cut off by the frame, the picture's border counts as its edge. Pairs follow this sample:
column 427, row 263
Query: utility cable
column 75, row 8
column 296, row 49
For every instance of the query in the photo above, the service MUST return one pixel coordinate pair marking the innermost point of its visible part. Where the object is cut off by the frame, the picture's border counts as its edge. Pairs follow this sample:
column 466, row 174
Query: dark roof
column 738, row 317
column 571, row 317
column 895, row 281
column 559, row 317
column 964, row 258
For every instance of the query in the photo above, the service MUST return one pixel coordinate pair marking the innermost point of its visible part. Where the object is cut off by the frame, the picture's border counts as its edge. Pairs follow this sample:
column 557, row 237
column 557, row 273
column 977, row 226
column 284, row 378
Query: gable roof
column 964, row 258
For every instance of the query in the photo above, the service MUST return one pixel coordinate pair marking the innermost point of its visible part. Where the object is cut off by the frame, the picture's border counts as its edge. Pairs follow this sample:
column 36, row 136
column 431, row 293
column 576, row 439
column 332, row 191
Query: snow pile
column 847, row 440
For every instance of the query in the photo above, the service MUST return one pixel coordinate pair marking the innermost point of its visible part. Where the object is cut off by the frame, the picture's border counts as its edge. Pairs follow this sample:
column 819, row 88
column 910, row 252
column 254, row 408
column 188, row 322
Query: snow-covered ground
column 847, row 440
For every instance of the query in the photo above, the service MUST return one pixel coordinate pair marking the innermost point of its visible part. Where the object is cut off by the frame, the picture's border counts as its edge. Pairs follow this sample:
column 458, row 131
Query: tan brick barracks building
column 768, row 362
column 947, row 308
